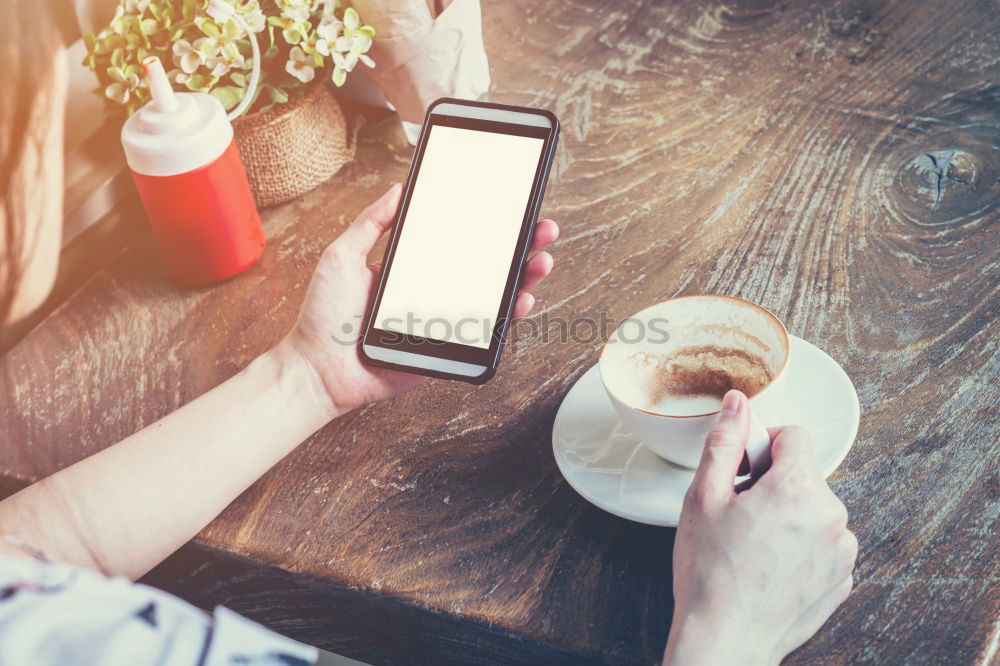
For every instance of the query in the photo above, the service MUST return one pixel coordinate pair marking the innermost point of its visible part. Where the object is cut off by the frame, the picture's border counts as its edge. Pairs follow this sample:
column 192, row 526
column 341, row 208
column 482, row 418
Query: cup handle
column 757, row 457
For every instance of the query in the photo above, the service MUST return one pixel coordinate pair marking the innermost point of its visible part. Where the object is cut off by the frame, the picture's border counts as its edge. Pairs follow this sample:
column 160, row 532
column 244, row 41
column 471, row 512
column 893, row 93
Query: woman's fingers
column 722, row 454
column 540, row 265
column 525, row 301
column 537, row 268
column 362, row 235
column 546, row 232
column 791, row 448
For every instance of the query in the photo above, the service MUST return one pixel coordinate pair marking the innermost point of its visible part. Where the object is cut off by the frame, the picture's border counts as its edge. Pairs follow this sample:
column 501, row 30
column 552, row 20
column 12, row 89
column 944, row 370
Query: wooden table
column 836, row 162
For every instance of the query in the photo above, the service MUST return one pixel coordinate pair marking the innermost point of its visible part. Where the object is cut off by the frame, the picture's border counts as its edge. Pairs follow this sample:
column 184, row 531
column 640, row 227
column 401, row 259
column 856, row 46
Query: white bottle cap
column 176, row 132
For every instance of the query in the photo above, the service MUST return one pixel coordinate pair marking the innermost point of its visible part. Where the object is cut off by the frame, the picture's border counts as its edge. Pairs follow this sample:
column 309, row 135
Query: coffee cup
column 667, row 368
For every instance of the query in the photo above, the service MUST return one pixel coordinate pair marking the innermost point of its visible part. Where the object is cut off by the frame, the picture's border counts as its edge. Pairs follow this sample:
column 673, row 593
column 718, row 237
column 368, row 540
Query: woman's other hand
column 330, row 321
column 756, row 573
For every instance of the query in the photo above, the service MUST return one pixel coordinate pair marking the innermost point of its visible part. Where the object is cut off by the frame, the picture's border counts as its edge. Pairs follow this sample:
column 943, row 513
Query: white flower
column 218, row 66
column 343, row 43
column 118, row 74
column 351, row 50
column 136, row 6
column 187, row 56
column 220, row 10
column 120, row 90
column 346, row 63
column 347, row 52
column 361, row 45
column 341, row 66
column 178, row 76
column 297, row 10
column 297, row 13
column 300, row 65
column 351, row 20
column 224, row 48
column 293, row 31
column 329, row 28
column 116, row 92
column 206, row 47
column 255, row 20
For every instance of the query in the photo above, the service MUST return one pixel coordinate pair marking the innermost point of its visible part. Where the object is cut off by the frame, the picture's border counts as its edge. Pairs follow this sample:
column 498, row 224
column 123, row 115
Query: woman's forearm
column 125, row 509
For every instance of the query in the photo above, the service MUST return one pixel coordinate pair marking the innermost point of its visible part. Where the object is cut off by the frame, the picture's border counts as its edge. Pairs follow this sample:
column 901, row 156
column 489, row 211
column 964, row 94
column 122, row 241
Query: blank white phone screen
column 458, row 237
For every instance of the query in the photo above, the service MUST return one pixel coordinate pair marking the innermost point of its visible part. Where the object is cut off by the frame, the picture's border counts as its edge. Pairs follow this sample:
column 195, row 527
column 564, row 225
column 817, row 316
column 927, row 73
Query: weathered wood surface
column 837, row 162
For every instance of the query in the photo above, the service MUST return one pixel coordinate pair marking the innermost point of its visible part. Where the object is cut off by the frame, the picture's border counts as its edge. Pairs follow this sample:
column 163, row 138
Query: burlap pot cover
column 292, row 148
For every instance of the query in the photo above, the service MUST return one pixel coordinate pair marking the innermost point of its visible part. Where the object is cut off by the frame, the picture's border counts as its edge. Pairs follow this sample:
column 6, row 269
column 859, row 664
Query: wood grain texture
column 837, row 162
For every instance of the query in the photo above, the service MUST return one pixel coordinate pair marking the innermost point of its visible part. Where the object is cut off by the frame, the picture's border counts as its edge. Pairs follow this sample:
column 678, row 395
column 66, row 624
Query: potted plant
column 295, row 136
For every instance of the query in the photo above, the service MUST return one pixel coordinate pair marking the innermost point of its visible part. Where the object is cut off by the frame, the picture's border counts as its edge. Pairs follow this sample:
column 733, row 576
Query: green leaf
column 207, row 49
column 207, row 26
column 318, row 59
column 272, row 50
column 199, row 83
column 278, row 96
column 119, row 25
column 230, row 96
column 276, row 22
column 231, row 51
column 239, row 79
column 351, row 19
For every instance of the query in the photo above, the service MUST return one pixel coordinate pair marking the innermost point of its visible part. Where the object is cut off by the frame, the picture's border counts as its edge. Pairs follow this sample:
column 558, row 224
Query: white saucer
column 611, row 469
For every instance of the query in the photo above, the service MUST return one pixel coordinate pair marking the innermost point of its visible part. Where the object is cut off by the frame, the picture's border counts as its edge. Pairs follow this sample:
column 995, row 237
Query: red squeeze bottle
column 186, row 166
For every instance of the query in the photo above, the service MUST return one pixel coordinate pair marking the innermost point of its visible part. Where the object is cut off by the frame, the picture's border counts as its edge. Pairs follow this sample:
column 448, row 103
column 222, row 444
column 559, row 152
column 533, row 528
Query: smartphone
column 453, row 264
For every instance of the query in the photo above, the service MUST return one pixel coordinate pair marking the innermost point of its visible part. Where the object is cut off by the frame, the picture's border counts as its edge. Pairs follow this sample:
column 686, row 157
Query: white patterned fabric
column 55, row 614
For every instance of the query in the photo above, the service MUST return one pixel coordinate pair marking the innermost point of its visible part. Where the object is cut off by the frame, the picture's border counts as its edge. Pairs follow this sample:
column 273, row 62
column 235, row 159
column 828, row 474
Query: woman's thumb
column 723, row 452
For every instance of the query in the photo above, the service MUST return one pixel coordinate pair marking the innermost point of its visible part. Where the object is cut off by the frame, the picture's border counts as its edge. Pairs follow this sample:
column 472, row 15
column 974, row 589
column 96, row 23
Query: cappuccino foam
column 680, row 357
column 693, row 380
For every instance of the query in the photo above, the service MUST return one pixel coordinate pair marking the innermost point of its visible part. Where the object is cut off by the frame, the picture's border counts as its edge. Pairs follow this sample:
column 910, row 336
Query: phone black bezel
column 489, row 358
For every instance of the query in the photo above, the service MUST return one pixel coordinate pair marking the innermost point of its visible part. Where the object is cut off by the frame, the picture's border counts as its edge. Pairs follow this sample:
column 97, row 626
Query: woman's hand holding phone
column 325, row 336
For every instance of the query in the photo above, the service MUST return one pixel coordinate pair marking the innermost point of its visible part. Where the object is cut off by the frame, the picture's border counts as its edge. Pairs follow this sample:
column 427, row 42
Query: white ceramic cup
column 691, row 334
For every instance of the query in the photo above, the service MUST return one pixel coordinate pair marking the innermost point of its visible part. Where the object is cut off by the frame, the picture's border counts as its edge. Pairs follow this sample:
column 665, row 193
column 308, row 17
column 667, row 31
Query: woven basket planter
column 294, row 147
